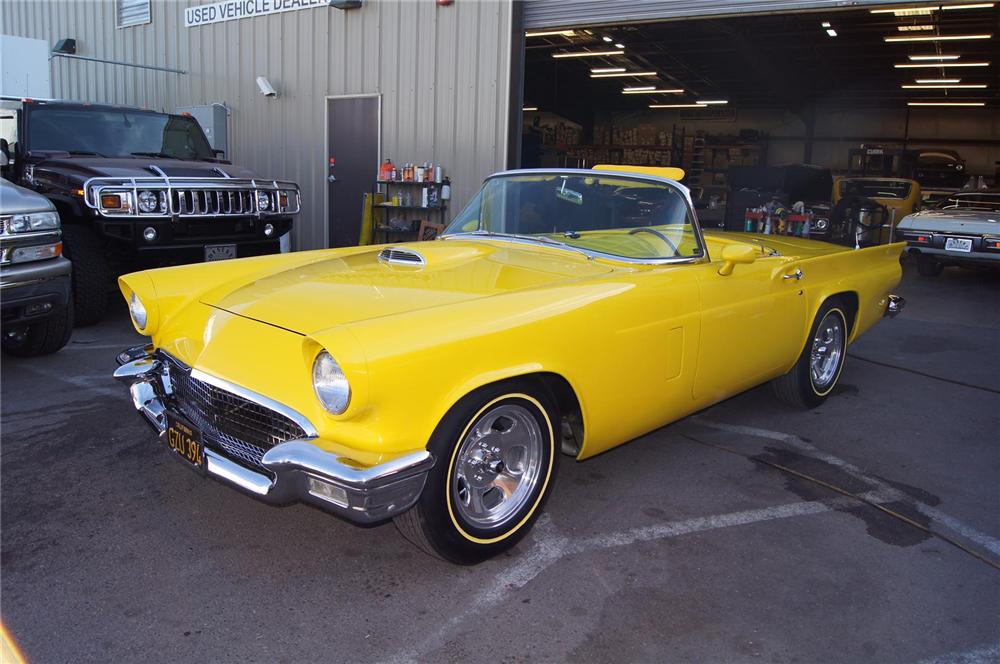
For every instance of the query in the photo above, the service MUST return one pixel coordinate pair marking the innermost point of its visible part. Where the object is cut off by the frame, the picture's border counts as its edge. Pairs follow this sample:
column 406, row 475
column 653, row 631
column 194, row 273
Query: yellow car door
column 751, row 326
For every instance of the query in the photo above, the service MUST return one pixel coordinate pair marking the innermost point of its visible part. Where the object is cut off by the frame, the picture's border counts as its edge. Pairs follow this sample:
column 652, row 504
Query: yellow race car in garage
column 437, row 382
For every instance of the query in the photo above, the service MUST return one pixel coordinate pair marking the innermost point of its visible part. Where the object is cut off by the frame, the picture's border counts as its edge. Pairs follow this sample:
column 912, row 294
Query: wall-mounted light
column 65, row 46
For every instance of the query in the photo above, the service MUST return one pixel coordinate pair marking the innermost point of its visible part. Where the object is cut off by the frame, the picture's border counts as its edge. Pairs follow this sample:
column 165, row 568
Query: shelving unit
column 380, row 216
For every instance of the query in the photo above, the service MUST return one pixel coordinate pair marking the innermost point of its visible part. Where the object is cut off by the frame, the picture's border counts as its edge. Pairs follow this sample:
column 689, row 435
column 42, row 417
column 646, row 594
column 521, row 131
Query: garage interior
column 906, row 91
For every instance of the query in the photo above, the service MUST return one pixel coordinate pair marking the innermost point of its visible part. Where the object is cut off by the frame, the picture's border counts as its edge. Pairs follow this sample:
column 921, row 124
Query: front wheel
column 42, row 338
column 496, row 456
column 818, row 368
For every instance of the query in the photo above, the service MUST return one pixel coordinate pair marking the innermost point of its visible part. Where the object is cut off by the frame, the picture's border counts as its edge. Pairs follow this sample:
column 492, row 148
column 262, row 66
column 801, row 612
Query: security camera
column 266, row 88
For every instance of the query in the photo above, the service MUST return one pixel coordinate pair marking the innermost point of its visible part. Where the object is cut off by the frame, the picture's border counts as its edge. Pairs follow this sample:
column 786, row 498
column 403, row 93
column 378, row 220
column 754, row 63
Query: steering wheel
column 670, row 243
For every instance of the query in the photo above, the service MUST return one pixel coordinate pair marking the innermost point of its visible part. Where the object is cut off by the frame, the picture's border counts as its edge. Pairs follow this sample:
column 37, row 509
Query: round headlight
column 330, row 384
column 149, row 234
column 263, row 200
column 148, row 201
column 137, row 310
column 822, row 224
column 268, row 230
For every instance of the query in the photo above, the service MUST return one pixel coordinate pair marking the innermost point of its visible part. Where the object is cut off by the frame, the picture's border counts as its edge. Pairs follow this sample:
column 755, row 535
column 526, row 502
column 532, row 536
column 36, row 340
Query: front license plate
column 185, row 440
column 958, row 244
column 220, row 252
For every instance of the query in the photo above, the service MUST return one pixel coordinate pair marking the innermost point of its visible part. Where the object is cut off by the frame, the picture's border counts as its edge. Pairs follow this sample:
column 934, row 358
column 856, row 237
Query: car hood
column 966, row 221
column 82, row 168
column 360, row 286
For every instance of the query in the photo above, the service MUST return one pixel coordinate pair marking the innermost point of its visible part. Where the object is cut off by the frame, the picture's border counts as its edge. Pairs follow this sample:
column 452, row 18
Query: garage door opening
column 860, row 115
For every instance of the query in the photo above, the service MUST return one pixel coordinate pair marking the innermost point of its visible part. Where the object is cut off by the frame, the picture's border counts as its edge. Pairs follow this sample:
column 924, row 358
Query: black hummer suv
column 135, row 189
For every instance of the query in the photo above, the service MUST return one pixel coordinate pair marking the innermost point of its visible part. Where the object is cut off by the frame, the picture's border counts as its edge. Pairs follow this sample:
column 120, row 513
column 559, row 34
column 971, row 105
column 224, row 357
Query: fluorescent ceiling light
column 946, row 103
column 907, row 11
column 530, row 108
column 965, row 86
column 607, row 70
column 825, row 24
column 831, row 32
column 619, row 45
column 914, row 28
column 703, row 102
column 975, row 5
column 677, row 106
column 652, row 91
column 586, row 54
column 935, row 65
column 551, row 33
column 934, row 57
column 638, row 89
column 625, row 73
column 607, row 39
column 938, row 80
column 922, row 38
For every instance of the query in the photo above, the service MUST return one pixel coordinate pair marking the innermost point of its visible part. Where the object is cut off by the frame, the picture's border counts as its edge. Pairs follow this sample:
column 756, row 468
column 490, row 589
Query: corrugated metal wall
column 567, row 13
column 442, row 73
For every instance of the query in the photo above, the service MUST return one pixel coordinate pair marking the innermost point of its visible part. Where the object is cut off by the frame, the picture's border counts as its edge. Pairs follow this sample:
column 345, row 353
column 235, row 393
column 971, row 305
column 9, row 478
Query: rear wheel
column 818, row 368
column 91, row 274
column 41, row 338
column 496, row 453
column 928, row 266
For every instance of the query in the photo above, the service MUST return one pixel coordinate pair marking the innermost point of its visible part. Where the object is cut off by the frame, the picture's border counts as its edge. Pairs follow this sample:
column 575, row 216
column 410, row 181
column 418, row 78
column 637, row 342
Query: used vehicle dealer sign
column 231, row 10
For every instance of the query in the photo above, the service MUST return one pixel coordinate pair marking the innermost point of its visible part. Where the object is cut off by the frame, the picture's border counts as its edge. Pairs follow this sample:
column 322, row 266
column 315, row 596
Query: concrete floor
column 662, row 550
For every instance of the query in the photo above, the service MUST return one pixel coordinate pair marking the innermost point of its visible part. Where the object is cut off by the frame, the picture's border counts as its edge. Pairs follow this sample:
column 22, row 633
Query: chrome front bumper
column 297, row 470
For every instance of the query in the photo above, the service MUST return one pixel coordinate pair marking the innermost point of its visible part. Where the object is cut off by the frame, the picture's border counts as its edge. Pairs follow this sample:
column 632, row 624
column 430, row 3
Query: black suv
column 136, row 189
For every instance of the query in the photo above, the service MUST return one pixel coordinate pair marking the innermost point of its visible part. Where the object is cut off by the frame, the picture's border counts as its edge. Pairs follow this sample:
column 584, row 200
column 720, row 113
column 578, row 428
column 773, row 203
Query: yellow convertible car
column 436, row 383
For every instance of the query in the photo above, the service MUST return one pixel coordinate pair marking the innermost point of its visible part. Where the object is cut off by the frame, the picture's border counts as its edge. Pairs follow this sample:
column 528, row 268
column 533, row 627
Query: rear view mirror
column 737, row 253
column 569, row 195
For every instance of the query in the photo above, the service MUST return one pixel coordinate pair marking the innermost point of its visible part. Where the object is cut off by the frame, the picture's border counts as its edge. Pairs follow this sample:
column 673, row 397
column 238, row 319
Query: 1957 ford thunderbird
column 436, row 383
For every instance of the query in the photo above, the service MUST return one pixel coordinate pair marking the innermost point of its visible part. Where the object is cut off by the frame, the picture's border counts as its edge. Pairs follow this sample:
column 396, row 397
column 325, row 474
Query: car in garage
column 963, row 230
column 34, row 275
column 437, row 382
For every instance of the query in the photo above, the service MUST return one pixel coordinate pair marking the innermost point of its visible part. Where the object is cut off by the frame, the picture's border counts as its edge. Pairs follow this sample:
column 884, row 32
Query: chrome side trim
column 258, row 399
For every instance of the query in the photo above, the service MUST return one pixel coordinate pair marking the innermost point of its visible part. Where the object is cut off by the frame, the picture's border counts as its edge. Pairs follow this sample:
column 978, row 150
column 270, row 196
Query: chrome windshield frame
column 583, row 172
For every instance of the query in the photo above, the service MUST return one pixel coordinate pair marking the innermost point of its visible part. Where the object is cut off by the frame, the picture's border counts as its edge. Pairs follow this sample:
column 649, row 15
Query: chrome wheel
column 827, row 351
column 498, row 466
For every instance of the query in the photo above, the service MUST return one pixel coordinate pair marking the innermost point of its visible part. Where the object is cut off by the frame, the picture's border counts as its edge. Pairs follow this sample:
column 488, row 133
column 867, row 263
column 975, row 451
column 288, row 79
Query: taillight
column 992, row 243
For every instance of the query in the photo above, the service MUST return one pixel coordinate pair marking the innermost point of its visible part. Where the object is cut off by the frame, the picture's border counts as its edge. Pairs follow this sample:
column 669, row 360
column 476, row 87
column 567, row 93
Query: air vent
column 401, row 256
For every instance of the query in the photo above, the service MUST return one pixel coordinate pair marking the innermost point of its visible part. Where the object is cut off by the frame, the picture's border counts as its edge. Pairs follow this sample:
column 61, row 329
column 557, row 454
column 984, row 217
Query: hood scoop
column 402, row 256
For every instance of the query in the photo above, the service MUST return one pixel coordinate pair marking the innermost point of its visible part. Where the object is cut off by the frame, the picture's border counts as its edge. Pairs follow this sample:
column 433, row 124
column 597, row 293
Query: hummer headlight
column 148, row 201
column 138, row 311
column 330, row 384
column 263, row 201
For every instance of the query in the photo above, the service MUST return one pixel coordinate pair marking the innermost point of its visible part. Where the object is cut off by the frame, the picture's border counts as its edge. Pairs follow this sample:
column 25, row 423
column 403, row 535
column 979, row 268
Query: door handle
column 794, row 275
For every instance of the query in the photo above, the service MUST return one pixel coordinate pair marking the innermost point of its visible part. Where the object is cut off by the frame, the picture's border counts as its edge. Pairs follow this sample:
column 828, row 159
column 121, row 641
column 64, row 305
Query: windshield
column 116, row 133
column 985, row 201
column 610, row 215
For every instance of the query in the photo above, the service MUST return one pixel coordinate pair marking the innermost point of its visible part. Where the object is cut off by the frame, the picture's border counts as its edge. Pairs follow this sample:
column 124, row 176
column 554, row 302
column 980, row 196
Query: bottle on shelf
column 386, row 170
column 446, row 189
column 437, row 174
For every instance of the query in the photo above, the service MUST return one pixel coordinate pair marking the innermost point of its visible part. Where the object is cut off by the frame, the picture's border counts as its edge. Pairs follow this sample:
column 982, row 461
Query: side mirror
column 4, row 152
column 737, row 253
column 219, row 153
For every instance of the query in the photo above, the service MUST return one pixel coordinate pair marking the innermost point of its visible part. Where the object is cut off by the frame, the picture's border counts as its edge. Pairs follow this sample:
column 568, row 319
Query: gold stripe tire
column 442, row 523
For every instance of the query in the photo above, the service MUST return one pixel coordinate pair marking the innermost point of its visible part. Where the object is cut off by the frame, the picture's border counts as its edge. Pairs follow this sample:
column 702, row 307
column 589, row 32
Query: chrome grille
column 212, row 202
column 240, row 428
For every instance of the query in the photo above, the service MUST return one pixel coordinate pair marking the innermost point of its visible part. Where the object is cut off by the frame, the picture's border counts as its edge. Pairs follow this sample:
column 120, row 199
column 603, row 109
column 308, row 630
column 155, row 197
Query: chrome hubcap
column 827, row 349
column 498, row 466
